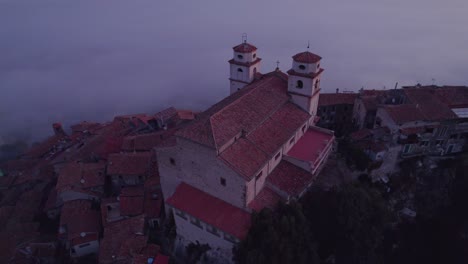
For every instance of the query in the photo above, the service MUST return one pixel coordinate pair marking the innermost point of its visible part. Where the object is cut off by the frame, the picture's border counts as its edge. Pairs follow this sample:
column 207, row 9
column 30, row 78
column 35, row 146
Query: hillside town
column 147, row 188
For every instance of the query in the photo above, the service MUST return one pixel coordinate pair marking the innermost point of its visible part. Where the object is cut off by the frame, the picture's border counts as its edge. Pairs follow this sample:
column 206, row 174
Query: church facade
column 251, row 150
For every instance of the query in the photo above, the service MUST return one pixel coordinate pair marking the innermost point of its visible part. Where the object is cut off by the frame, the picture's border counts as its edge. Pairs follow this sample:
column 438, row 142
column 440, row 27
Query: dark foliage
column 282, row 236
column 347, row 223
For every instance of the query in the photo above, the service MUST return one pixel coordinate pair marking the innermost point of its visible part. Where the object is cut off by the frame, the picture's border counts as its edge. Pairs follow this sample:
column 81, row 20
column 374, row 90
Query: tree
column 349, row 222
column 282, row 236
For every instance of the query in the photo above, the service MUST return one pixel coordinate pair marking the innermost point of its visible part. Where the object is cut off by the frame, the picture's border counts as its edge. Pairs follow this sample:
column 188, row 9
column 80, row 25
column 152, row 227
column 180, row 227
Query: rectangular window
column 406, row 148
column 180, row 214
column 212, row 230
column 196, row 222
column 277, row 156
column 222, row 181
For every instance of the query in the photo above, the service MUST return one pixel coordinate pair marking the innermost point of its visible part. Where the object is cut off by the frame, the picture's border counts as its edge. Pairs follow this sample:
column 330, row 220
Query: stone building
column 335, row 111
column 254, row 148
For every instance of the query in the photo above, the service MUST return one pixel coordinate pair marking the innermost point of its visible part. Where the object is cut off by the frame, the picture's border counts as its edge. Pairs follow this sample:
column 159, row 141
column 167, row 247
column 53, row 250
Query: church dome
column 307, row 57
column 245, row 48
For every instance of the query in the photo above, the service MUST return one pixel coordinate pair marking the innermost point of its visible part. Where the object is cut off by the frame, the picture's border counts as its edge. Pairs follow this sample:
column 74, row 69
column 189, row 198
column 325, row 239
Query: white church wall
column 200, row 167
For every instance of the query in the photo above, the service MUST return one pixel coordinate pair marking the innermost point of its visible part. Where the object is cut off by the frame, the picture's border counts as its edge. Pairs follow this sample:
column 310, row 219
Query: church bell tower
column 243, row 66
column 304, row 81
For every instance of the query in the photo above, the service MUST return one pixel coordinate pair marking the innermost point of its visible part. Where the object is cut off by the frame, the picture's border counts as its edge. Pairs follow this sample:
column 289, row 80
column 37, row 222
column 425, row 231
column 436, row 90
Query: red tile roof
column 307, row 57
column 132, row 201
column 76, row 175
column 275, row 131
column 84, row 238
column 84, row 126
column 311, row 145
column 244, row 158
column 186, row 114
column 78, row 216
column 129, row 163
column 115, row 234
column 244, row 48
column 429, row 105
column 327, row 99
column 453, row 96
column 211, row 210
column 267, row 198
column 289, row 178
column 401, row 114
column 244, row 111
column 166, row 114
column 146, row 142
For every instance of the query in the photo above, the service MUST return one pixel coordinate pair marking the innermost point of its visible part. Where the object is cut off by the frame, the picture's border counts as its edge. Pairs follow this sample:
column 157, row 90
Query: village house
column 77, row 180
column 79, row 227
column 123, row 240
column 335, row 111
column 252, row 149
column 128, row 169
column 432, row 121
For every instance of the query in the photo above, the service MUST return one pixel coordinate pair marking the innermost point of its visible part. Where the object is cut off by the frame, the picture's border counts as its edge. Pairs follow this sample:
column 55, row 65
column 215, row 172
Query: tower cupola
column 243, row 66
column 304, row 81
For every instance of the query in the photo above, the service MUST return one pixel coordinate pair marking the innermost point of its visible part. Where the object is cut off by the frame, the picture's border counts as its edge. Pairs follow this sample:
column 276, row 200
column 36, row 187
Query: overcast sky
column 90, row 60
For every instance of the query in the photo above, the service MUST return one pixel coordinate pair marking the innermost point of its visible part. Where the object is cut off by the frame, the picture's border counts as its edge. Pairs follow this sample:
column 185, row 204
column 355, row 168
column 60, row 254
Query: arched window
column 254, row 55
column 302, row 67
column 255, row 70
column 239, row 70
column 240, row 57
column 299, row 84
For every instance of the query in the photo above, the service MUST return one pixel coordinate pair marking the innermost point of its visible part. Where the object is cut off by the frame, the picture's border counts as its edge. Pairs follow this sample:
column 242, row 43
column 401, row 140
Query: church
column 255, row 148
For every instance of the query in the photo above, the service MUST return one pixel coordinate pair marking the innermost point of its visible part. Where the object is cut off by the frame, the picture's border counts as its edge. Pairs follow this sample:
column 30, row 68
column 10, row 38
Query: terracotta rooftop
column 267, row 198
column 115, row 234
column 211, row 210
column 132, row 201
column 307, row 57
column 453, row 96
column 311, row 145
column 166, row 114
column 404, row 113
column 289, row 178
column 78, row 216
column 126, row 164
column 76, row 175
column 327, row 99
column 146, row 142
column 244, row 158
column 242, row 111
column 431, row 107
column 244, row 48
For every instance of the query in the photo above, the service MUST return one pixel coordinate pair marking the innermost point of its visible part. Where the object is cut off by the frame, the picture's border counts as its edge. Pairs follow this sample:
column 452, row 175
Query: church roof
column 260, row 114
column 307, row 57
column 244, row 48
column 211, row 210
column 289, row 178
